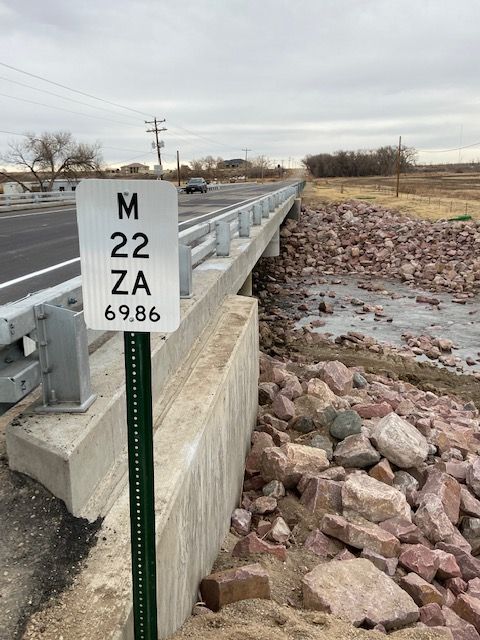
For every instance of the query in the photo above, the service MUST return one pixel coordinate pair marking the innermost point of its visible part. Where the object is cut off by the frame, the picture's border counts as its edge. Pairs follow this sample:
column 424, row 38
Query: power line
column 13, row 133
column 78, row 113
column 467, row 146
column 197, row 135
column 57, row 95
column 83, row 93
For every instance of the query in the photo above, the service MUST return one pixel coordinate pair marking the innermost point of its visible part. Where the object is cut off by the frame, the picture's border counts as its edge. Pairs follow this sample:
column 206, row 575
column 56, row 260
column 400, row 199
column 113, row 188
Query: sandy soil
column 267, row 620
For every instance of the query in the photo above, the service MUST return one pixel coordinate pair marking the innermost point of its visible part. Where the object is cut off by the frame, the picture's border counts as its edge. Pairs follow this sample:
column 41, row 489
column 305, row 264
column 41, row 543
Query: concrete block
column 200, row 445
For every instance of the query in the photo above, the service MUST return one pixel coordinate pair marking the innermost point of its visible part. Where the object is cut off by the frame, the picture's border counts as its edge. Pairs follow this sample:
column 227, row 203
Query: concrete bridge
column 205, row 403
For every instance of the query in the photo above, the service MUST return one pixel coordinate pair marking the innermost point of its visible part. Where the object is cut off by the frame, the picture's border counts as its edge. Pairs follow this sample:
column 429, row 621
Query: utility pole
column 178, row 168
column 246, row 157
column 156, row 130
column 398, row 162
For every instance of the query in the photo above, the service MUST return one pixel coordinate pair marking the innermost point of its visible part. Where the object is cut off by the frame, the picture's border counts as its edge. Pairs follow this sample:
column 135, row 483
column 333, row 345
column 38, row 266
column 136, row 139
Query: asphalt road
column 39, row 248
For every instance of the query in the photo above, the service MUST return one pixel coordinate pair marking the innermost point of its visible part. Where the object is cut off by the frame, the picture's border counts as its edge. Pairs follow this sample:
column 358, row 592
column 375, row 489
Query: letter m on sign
column 127, row 208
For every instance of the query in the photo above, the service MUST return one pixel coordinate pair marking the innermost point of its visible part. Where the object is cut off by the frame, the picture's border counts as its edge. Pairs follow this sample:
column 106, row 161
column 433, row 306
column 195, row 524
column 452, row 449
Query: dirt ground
column 422, row 195
column 267, row 620
column 423, row 375
column 42, row 547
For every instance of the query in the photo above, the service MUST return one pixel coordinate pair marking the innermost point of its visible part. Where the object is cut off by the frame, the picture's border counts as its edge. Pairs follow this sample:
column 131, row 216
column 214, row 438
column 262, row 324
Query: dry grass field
column 426, row 195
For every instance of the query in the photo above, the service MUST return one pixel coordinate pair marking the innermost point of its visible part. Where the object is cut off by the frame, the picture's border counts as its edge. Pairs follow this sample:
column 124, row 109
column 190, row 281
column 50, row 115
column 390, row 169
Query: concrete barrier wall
column 80, row 458
column 200, row 445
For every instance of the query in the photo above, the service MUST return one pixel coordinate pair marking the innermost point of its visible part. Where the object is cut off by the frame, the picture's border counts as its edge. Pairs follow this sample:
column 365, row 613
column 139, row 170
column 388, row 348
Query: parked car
column 196, row 184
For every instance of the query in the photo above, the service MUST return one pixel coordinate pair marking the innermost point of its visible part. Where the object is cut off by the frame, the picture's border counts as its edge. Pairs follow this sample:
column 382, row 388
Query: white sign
column 128, row 232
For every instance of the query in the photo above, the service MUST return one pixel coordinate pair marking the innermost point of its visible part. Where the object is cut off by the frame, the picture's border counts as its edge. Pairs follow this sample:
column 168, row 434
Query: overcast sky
column 283, row 78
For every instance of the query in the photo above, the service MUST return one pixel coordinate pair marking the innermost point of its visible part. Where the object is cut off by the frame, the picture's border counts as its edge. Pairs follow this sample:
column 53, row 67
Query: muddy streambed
column 401, row 314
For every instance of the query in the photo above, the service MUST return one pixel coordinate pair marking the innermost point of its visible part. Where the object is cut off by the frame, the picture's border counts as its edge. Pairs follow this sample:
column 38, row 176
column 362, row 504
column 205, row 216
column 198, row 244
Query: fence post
column 257, row 213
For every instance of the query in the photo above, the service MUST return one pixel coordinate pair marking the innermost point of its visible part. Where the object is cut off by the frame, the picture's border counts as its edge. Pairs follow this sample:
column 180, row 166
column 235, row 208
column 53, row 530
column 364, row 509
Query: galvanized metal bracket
column 257, row 214
column 223, row 237
column 244, row 224
column 63, row 356
column 185, row 262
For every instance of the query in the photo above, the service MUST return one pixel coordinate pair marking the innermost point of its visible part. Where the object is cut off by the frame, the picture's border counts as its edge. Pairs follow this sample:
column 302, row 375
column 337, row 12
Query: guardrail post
column 185, row 261
column 257, row 214
column 244, row 223
column 266, row 208
column 63, row 355
column 223, row 234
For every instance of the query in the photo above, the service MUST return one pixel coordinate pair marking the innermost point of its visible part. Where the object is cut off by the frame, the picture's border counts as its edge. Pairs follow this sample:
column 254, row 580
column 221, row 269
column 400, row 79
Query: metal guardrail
column 39, row 197
column 30, row 197
column 43, row 337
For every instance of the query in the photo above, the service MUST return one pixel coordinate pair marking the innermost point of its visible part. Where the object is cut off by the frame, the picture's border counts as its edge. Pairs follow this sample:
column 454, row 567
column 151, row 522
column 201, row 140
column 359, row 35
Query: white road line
column 38, row 273
column 210, row 213
column 41, row 213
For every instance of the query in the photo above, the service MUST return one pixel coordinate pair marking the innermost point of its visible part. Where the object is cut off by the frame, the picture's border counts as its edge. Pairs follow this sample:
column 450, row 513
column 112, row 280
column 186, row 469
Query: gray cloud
column 284, row 78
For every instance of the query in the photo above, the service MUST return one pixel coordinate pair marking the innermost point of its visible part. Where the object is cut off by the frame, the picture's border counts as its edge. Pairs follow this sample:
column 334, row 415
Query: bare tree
column 49, row 156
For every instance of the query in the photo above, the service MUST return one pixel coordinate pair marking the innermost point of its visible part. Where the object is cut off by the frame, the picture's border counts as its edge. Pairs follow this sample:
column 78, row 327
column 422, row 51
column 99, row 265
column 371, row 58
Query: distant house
column 135, row 167
column 234, row 163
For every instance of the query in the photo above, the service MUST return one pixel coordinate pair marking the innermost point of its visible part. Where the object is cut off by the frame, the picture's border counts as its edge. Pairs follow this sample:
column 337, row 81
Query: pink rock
column 468, row 608
column 456, row 586
column 280, row 531
column 387, row 565
column 474, row 588
column 373, row 500
column 276, row 423
column 260, row 441
column 374, row 410
column 278, row 437
column 356, row 591
column 448, row 566
column 292, row 388
column 420, row 590
column 469, row 566
column 320, row 389
column 283, row 408
column 267, row 392
column 322, row 495
column 289, row 462
column 264, row 505
column 421, row 560
column 473, row 477
column 338, row 377
column 253, row 544
column 241, row 519
column 462, row 630
column 404, row 530
column 468, row 504
column 382, row 472
column 432, row 519
column 431, row 615
column 361, row 536
column 457, row 470
column 321, row 545
column 446, row 488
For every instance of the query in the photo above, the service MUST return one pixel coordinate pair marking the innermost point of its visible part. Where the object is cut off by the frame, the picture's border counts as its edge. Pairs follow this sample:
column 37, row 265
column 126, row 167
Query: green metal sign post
column 138, row 373
column 128, row 236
